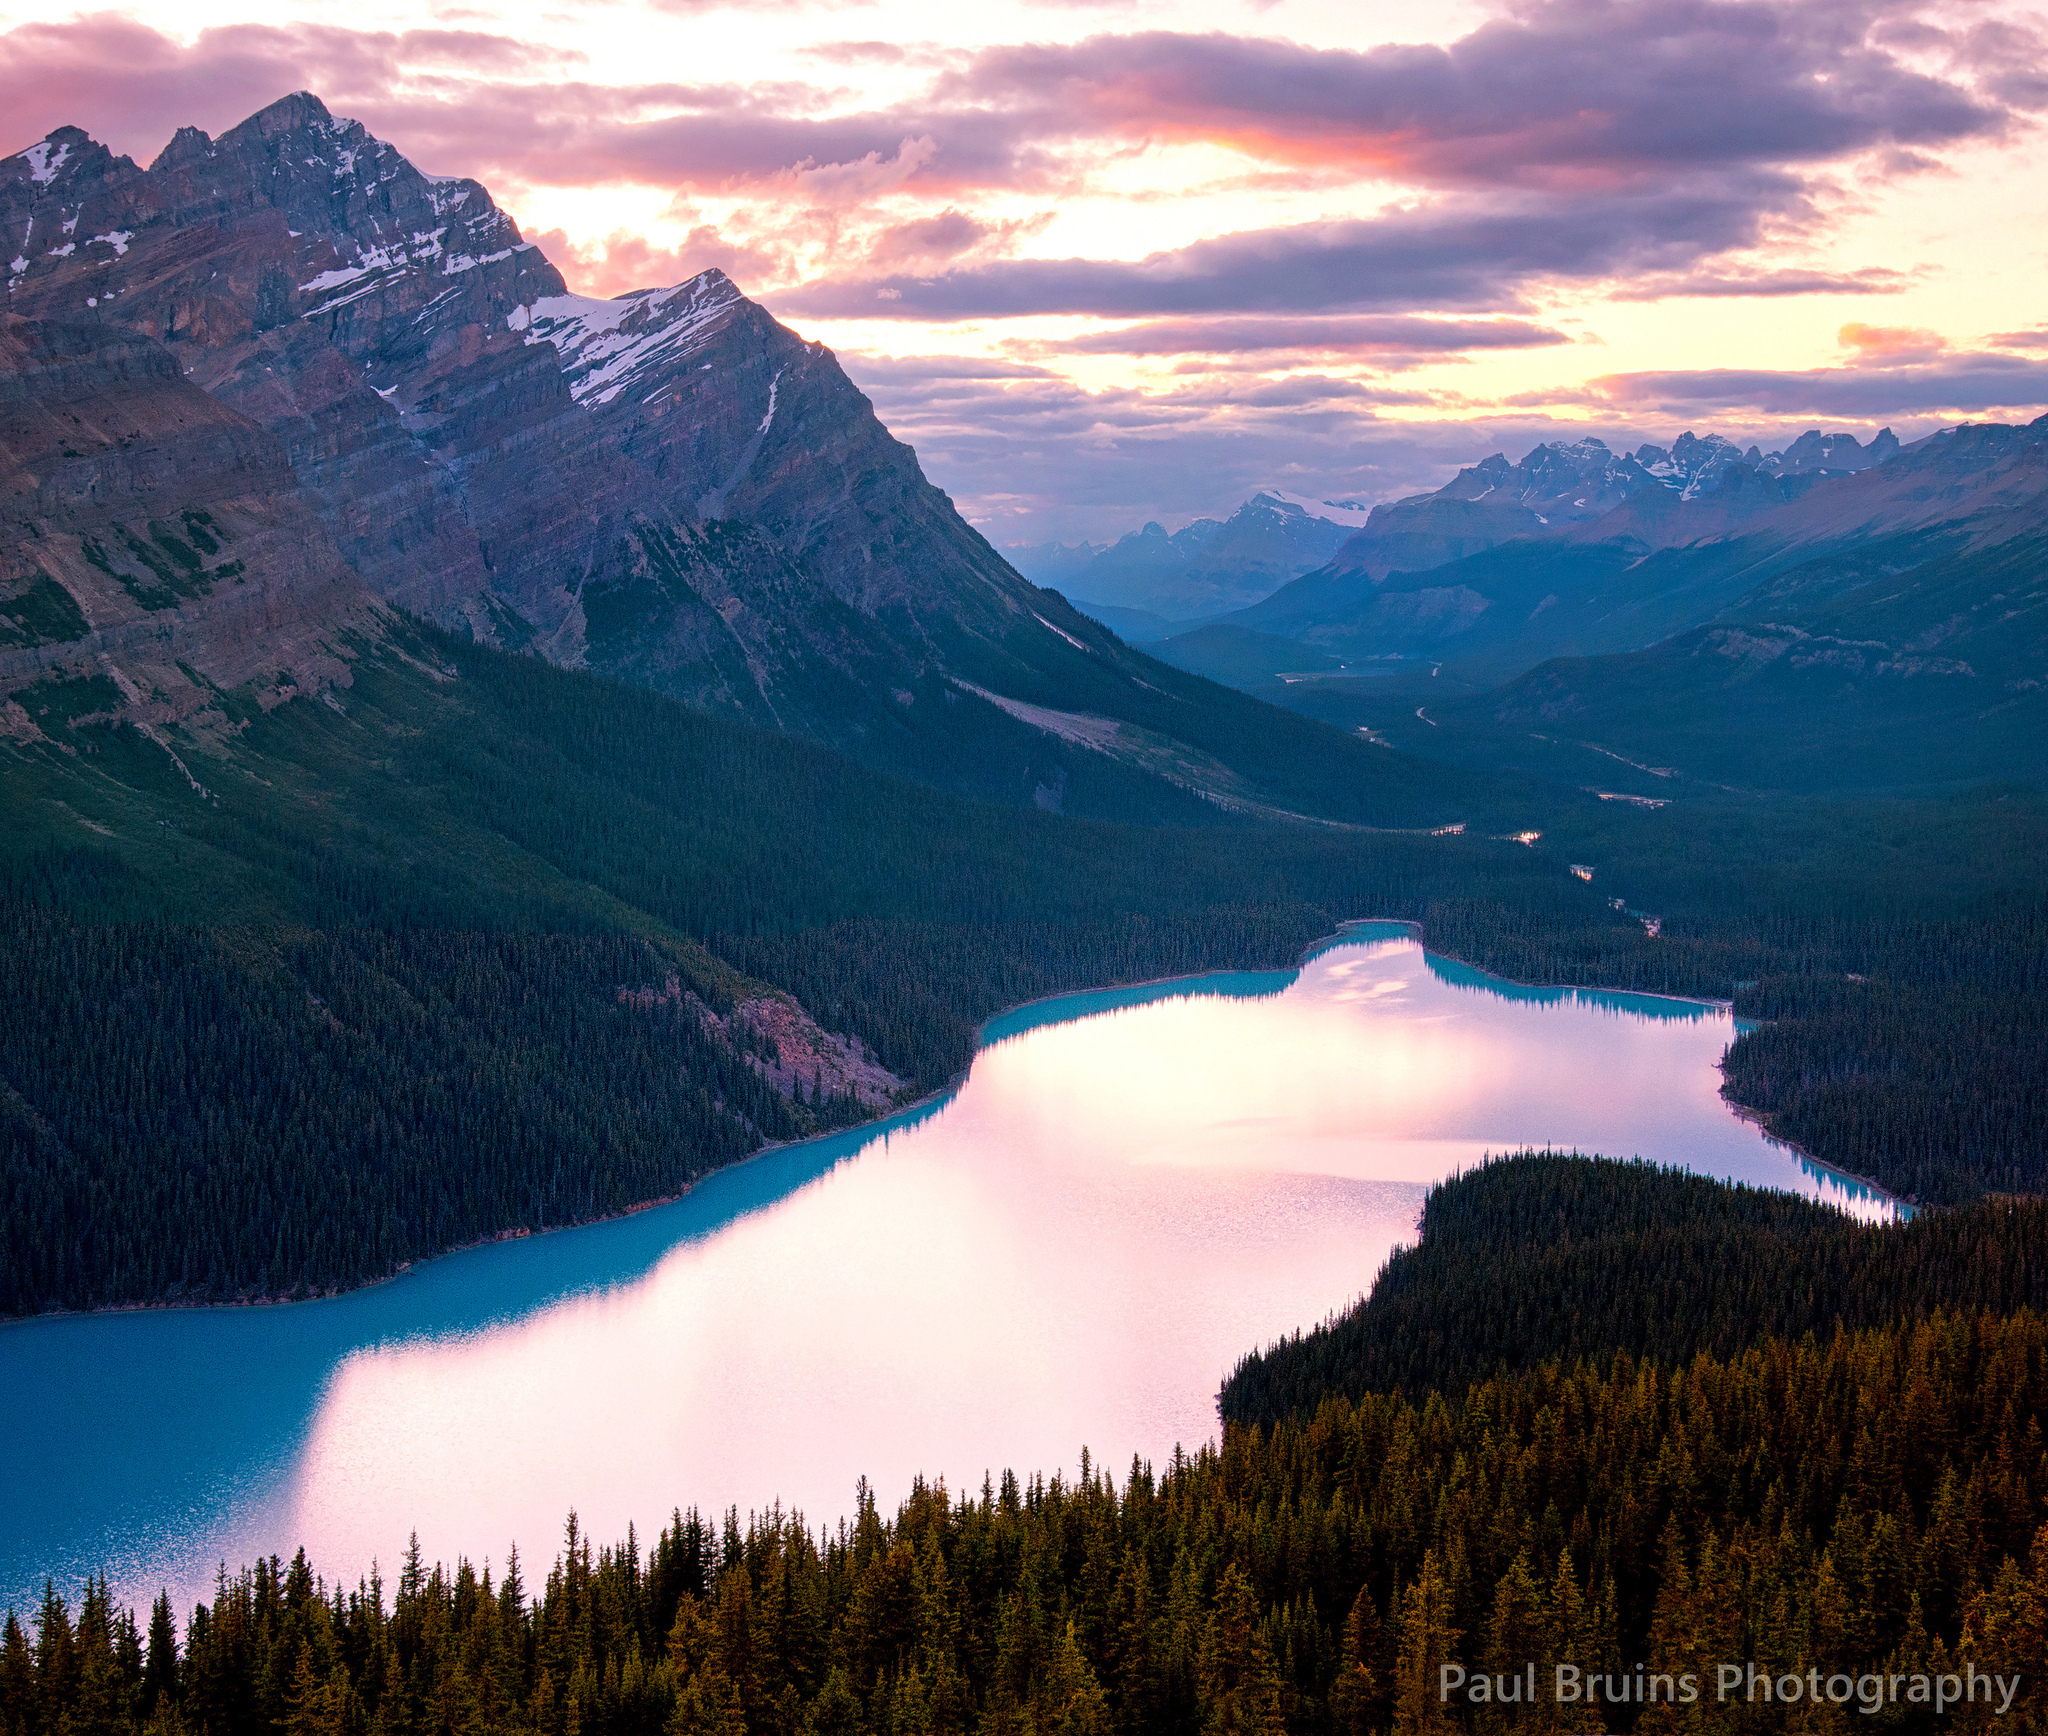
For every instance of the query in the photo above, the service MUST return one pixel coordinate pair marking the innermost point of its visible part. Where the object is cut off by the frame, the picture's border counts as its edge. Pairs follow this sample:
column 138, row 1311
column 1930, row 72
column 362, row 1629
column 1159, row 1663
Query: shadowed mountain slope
column 1933, row 674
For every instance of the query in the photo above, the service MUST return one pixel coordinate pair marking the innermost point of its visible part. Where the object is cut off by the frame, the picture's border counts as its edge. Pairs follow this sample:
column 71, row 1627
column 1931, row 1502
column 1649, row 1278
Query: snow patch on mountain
column 606, row 346
column 1350, row 513
column 44, row 161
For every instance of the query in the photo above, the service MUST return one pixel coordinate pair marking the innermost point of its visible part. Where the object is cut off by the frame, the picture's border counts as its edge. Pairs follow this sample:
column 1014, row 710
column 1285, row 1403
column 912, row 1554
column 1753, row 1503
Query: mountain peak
column 614, row 348
column 1351, row 514
column 47, row 156
column 302, row 111
column 188, row 144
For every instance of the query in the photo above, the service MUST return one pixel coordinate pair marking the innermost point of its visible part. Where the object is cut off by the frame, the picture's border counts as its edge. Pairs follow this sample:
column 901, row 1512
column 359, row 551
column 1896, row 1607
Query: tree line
column 1868, row 1506
column 361, row 1004
column 1544, row 1257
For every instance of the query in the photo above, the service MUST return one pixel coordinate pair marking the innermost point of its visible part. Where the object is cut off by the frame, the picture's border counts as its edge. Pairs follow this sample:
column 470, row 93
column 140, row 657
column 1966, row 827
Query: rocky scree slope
column 670, row 488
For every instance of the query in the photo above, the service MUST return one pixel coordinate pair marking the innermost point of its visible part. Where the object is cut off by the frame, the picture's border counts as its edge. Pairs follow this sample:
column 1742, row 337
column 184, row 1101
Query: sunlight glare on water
column 1073, row 1249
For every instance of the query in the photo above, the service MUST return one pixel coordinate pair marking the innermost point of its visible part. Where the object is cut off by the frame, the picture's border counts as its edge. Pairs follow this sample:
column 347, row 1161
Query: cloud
column 1357, row 335
column 1031, row 455
column 1888, row 344
column 846, row 183
column 132, row 86
column 1871, row 280
column 1565, row 96
column 951, row 233
column 1963, row 384
column 922, row 370
column 1561, row 93
column 626, row 261
column 1465, row 255
column 1637, row 149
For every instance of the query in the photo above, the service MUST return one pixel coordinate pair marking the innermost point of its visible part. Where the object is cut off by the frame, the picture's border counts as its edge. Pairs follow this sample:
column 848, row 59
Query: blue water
column 1131, row 1188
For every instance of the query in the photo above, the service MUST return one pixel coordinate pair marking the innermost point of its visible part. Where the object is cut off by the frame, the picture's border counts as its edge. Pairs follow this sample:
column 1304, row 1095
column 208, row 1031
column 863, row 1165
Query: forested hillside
column 457, row 954
column 363, row 985
column 1868, row 1506
column 1544, row 1258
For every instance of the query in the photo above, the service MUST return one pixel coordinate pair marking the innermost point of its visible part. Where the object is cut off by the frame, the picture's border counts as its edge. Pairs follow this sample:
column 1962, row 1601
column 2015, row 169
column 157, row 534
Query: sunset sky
column 1103, row 263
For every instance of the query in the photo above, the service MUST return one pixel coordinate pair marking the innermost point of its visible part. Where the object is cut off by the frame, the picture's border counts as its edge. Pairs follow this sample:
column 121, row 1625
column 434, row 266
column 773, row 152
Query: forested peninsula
column 1867, row 1500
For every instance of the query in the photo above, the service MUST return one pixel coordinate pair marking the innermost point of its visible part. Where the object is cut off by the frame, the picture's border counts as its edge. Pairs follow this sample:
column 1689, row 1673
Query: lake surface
column 1130, row 1190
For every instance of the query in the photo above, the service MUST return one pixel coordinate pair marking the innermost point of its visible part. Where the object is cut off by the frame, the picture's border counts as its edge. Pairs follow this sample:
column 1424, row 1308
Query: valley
column 1092, row 1133
column 575, row 938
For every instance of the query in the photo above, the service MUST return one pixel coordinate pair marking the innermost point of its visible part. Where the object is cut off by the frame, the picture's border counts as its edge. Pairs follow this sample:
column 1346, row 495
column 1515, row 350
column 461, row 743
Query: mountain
column 1272, row 538
column 1148, row 569
column 155, row 549
column 1883, row 629
column 1891, row 630
column 1484, row 504
column 1205, row 568
column 669, row 488
column 1613, row 553
column 1052, row 564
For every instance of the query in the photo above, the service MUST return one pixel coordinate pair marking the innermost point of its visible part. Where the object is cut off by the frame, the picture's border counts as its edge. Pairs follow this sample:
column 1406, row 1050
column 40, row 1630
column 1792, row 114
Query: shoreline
column 1342, row 936
column 1742, row 1111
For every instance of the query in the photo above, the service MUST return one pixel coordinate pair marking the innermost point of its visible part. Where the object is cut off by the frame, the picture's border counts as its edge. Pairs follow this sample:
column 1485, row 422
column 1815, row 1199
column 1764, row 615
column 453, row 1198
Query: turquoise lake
column 1130, row 1190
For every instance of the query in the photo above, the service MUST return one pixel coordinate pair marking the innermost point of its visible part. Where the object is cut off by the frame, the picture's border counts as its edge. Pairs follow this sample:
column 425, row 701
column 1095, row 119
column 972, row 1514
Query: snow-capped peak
column 1350, row 513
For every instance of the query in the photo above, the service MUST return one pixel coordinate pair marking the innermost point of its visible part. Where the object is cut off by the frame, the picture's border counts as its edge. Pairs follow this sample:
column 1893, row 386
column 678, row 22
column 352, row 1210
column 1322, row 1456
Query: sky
column 1108, row 262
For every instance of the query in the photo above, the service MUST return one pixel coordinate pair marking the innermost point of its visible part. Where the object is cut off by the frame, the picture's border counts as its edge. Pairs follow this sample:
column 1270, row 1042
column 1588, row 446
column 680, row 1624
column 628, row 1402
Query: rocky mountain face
column 670, row 488
column 484, row 448
column 156, row 553
column 1555, row 486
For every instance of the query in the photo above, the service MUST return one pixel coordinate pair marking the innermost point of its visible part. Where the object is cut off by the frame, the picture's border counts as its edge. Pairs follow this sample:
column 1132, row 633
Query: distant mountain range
column 1151, row 579
column 280, row 382
column 1888, row 628
column 1291, row 564
column 1581, row 496
column 1870, row 612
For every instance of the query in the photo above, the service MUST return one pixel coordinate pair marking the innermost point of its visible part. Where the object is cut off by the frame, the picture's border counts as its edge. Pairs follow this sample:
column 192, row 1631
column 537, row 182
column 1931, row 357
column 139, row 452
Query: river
column 1130, row 1189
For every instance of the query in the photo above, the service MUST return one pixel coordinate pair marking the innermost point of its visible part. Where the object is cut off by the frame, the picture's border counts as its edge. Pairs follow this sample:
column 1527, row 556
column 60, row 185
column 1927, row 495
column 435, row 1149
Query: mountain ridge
column 1672, row 552
column 1206, row 568
column 669, row 488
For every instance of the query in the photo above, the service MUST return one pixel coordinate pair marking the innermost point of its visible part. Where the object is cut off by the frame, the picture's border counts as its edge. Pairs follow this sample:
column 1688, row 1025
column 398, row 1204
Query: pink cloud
column 1888, row 344
column 1370, row 335
column 1957, row 383
column 1571, row 96
column 1870, row 280
column 131, row 86
column 625, row 261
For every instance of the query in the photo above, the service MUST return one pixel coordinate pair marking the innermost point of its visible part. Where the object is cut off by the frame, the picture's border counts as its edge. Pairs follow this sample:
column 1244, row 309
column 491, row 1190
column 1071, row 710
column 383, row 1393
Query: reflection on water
column 1131, row 1189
